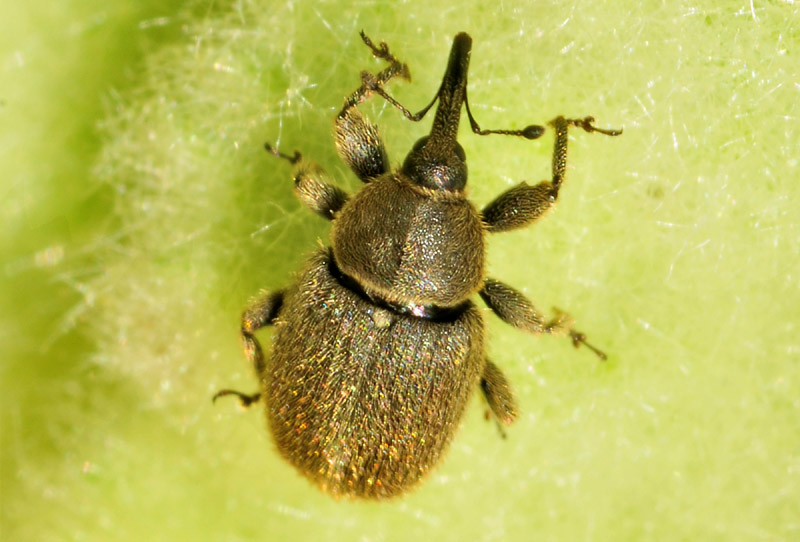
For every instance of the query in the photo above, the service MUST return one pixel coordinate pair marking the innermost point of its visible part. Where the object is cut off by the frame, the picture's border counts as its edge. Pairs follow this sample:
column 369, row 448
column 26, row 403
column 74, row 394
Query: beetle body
column 360, row 398
column 410, row 245
column 378, row 345
column 377, row 348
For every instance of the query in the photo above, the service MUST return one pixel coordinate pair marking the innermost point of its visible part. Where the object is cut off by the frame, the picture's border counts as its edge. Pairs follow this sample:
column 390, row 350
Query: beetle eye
column 420, row 143
column 460, row 153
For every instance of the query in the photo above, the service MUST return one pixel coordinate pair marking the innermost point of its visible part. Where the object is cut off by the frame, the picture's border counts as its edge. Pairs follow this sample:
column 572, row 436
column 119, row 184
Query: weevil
column 378, row 344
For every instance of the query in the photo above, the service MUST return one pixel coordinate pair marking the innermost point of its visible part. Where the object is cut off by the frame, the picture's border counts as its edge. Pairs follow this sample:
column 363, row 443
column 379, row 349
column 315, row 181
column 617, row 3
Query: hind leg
column 261, row 313
column 498, row 394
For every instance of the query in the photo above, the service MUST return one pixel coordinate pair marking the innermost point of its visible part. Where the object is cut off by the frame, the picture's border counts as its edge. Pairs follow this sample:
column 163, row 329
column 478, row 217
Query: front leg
column 514, row 308
column 524, row 204
column 357, row 140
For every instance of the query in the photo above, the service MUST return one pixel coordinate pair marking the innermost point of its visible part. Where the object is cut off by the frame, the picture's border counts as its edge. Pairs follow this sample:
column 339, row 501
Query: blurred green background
column 139, row 214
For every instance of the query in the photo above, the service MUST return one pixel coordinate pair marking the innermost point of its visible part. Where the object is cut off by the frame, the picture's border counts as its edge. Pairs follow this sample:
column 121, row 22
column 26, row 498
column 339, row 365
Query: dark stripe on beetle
column 434, row 313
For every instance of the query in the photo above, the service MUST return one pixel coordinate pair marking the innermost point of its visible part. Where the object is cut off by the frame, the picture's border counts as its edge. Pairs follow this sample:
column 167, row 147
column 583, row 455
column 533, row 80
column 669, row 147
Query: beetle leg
column 244, row 399
column 311, row 185
column 498, row 395
column 518, row 206
column 561, row 126
column 360, row 146
column 514, row 308
column 261, row 313
column 373, row 83
column 357, row 140
column 523, row 204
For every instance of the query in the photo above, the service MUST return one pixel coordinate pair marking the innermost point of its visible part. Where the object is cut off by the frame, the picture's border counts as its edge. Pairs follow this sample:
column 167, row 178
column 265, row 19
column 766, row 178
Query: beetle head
column 437, row 161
